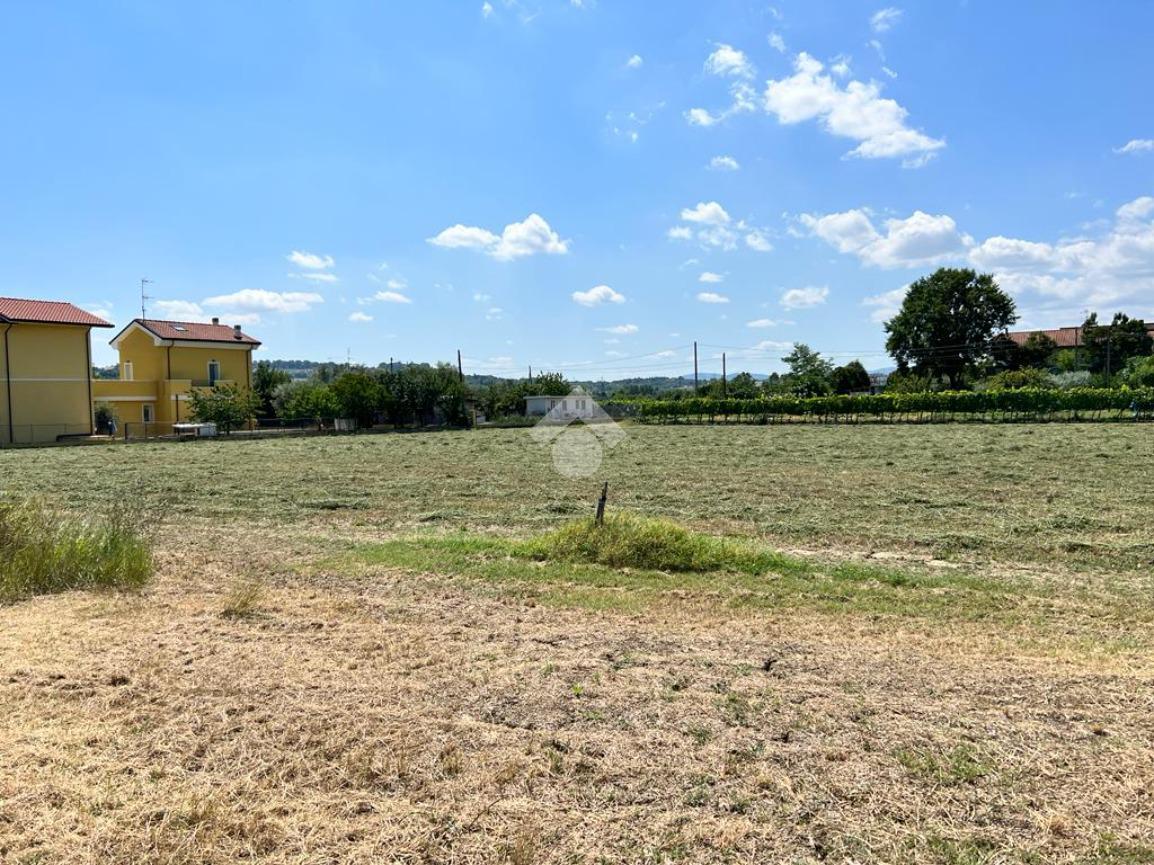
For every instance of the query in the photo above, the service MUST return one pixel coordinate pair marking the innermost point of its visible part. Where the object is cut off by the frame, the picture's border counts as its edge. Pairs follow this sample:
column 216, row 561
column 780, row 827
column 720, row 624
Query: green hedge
column 997, row 405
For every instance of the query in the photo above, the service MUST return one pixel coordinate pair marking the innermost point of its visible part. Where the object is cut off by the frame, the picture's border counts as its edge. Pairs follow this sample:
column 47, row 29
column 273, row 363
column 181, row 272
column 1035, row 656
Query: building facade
column 162, row 362
column 45, row 370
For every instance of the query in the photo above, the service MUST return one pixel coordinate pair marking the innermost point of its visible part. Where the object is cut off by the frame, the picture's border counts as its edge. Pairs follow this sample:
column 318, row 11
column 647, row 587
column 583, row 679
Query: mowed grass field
column 345, row 656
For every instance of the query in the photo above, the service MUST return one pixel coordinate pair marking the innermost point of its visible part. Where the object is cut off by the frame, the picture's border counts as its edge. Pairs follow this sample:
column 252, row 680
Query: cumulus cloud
column 635, row 62
column 711, row 297
column 360, row 317
column 1136, row 145
column 712, row 226
column 803, row 298
column 597, row 295
column 856, row 111
column 886, row 305
column 621, row 329
column 723, row 163
column 709, row 276
column 762, row 322
column 315, row 276
column 757, row 241
column 259, row 299
column 391, row 297
column 310, row 261
column 920, row 238
column 706, row 213
column 729, row 61
column 884, row 19
column 531, row 236
column 776, row 42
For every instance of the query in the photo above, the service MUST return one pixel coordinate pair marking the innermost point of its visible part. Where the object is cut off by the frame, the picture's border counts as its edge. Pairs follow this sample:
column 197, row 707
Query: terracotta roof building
column 1065, row 337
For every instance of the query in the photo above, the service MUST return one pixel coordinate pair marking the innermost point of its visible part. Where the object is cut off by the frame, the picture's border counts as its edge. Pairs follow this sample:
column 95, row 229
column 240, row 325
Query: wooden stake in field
column 600, row 518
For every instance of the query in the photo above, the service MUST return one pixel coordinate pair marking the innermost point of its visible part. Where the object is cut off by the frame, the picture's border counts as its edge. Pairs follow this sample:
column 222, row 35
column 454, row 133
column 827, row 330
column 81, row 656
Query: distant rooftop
column 14, row 309
column 194, row 331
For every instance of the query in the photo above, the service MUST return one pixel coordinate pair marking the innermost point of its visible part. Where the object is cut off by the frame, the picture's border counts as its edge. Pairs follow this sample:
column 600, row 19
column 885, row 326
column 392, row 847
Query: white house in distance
column 577, row 405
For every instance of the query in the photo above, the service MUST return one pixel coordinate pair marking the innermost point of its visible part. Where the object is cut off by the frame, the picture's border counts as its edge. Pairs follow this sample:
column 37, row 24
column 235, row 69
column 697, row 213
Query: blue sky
column 584, row 186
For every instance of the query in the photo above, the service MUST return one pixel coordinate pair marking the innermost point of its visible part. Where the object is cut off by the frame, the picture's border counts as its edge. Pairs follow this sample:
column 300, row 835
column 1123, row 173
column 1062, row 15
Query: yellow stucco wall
column 49, row 379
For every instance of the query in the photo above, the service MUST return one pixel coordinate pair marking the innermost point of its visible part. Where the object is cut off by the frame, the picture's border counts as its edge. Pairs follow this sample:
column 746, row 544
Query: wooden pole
column 600, row 518
column 460, row 370
column 696, row 387
column 724, row 386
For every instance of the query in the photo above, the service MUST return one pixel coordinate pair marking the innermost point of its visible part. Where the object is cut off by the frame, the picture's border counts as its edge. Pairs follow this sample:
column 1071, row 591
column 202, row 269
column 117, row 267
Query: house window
column 128, row 370
column 149, row 414
column 552, row 404
column 213, row 371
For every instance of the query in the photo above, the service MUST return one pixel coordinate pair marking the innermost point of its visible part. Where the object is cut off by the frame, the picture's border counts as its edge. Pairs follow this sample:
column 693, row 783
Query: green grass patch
column 42, row 552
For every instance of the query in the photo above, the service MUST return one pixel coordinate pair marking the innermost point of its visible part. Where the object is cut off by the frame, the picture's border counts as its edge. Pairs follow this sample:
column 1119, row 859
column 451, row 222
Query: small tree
column 947, row 323
column 265, row 380
column 850, row 378
column 225, row 405
column 809, row 372
column 299, row 400
column 358, row 395
column 742, row 386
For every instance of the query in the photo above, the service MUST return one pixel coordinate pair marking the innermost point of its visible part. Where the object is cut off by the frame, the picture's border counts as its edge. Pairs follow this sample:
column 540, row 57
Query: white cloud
column 700, row 117
column 712, row 297
column 762, row 322
column 803, row 298
column 724, row 163
column 519, row 239
column 391, row 297
column 397, row 284
column 486, row 9
column 315, row 276
column 494, row 313
column 776, row 42
column 706, row 213
column 729, row 61
column 598, row 294
column 772, row 345
column 757, row 241
column 855, row 111
column 1136, row 145
column 310, row 261
column 635, row 62
column 481, row 297
column 179, row 310
column 680, row 232
column 709, row 276
column 886, row 305
column 360, row 317
column 921, row 238
column 840, row 66
column 621, row 329
column 884, row 19
column 259, row 299
column 1136, row 210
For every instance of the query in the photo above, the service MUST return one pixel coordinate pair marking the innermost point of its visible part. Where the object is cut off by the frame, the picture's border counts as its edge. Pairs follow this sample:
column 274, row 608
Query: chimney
column 215, row 320
column 236, row 331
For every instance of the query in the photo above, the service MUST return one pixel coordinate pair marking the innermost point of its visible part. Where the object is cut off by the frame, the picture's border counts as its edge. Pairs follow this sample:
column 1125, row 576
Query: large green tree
column 851, row 378
column 809, row 373
column 1110, row 346
column 226, row 405
column 947, row 323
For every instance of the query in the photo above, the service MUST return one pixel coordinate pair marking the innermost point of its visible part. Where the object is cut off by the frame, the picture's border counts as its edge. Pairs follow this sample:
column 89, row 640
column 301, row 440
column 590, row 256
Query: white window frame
column 129, row 372
column 148, row 412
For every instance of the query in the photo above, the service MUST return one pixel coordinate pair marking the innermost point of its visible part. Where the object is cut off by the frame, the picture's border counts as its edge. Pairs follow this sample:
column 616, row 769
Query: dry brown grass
column 392, row 715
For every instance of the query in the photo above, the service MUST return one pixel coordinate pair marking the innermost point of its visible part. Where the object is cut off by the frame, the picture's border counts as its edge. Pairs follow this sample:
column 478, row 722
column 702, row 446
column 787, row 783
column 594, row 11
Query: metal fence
column 135, row 431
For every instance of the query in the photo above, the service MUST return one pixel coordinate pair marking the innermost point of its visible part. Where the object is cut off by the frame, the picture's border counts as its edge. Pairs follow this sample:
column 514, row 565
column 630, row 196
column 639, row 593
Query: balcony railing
column 204, row 382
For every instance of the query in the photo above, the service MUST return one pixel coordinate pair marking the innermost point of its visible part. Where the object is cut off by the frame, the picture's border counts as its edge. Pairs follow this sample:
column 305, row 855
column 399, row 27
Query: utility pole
column 390, row 365
column 696, row 388
column 1109, row 342
column 144, row 297
column 530, row 373
column 724, row 386
column 460, row 369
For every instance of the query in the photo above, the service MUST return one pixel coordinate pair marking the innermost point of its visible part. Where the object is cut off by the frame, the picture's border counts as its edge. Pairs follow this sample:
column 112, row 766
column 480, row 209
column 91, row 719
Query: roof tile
column 47, row 312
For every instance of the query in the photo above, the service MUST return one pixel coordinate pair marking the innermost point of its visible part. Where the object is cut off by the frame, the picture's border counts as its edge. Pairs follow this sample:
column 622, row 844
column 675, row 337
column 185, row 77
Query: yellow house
column 45, row 370
column 162, row 361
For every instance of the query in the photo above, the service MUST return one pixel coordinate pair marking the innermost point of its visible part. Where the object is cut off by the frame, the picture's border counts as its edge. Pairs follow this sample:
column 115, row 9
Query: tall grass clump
column 42, row 552
column 630, row 541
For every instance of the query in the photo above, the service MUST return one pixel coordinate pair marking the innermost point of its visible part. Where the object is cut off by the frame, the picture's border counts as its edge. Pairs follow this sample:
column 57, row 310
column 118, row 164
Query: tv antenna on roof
column 144, row 297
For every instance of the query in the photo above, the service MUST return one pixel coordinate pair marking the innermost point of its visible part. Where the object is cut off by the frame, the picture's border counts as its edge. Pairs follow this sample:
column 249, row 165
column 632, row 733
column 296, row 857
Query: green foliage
column 947, row 323
column 1016, row 379
column 809, row 372
column 42, row 552
column 742, row 386
column 265, row 380
column 305, row 399
column 850, row 378
column 226, row 405
column 629, row 541
column 103, row 419
column 358, row 396
column 994, row 404
column 507, row 398
column 1139, row 372
column 1108, row 348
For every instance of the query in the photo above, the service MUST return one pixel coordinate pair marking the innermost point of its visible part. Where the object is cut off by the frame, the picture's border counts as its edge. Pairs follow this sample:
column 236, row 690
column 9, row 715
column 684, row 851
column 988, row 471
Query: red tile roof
column 195, row 331
column 47, row 312
column 1066, row 337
